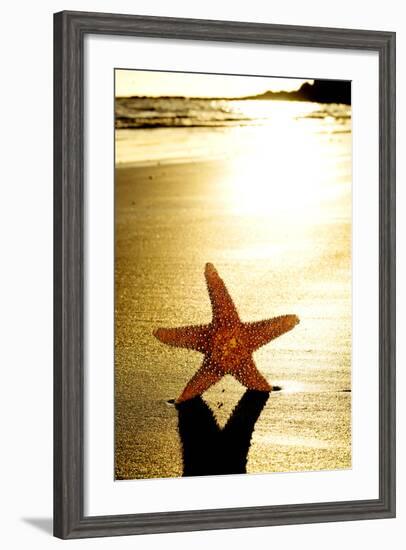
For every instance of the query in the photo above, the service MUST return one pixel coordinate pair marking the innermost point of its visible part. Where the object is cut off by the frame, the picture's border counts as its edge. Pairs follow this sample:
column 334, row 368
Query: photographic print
column 233, row 308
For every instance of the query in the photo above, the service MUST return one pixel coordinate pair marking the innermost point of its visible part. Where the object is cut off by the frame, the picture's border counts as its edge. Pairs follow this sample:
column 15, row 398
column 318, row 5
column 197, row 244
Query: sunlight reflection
column 294, row 441
column 284, row 171
column 284, row 164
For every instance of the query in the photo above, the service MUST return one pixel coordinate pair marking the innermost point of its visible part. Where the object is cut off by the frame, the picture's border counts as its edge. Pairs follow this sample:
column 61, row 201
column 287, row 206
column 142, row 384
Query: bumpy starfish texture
column 227, row 343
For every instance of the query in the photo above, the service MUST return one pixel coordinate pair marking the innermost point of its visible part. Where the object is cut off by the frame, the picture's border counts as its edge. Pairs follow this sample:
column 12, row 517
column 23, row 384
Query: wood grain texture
column 69, row 31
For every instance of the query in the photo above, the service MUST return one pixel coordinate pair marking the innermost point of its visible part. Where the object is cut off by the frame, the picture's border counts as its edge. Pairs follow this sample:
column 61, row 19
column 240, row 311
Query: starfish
column 227, row 343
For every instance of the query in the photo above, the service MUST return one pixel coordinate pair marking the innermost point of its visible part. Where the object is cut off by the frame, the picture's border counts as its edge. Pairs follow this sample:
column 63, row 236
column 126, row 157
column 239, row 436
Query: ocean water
column 204, row 128
column 169, row 112
column 262, row 189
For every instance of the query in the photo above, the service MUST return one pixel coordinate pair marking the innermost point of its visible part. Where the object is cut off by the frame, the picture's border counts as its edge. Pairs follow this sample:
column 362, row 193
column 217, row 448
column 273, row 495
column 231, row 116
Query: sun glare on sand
column 283, row 170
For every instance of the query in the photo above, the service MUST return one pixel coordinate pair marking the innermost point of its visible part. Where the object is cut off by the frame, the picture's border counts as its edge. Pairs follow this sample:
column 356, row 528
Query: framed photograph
column 224, row 274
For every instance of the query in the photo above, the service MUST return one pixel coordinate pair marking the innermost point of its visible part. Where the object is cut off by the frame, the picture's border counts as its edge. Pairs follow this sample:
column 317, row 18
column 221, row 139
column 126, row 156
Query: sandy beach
column 277, row 226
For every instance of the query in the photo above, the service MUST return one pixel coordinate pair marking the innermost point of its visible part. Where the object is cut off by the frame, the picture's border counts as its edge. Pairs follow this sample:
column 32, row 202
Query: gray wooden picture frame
column 70, row 28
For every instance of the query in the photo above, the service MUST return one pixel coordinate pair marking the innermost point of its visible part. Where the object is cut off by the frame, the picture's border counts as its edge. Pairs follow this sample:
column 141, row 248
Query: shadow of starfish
column 210, row 450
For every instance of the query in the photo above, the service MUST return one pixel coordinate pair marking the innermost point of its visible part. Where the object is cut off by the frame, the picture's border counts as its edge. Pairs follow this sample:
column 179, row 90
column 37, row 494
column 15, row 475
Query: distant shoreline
column 321, row 91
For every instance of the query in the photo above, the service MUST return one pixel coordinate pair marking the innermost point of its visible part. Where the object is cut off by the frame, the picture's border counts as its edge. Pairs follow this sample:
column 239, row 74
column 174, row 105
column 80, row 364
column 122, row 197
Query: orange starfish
column 227, row 343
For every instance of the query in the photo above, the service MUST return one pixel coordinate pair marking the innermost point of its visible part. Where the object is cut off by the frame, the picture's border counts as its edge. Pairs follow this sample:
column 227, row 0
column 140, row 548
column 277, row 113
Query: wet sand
column 172, row 218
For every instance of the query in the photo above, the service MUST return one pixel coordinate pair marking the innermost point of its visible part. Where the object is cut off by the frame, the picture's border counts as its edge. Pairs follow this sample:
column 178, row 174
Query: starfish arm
column 260, row 333
column 206, row 376
column 224, row 310
column 193, row 337
column 250, row 377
